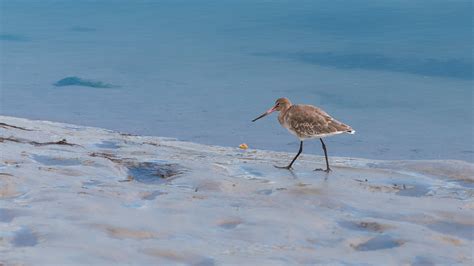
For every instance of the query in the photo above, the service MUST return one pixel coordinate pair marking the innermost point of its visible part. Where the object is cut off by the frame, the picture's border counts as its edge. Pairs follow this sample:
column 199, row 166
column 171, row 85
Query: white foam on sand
column 80, row 195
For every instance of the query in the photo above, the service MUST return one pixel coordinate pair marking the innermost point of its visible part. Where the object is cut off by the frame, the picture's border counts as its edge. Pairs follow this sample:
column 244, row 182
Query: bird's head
column 280, row 105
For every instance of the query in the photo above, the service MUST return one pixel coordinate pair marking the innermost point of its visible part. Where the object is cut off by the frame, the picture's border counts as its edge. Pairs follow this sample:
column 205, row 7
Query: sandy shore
column 80, row 195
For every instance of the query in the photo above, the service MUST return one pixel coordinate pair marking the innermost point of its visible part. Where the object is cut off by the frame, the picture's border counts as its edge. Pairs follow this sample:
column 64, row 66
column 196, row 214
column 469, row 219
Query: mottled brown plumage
column 307, row 122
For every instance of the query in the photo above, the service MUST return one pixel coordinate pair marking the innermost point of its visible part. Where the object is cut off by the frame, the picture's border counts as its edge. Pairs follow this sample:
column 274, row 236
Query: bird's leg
column 325, row 155
column 294, row 159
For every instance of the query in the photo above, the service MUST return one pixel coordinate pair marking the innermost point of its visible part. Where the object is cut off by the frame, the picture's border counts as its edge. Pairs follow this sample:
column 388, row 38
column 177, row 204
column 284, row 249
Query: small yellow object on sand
column 243, row 146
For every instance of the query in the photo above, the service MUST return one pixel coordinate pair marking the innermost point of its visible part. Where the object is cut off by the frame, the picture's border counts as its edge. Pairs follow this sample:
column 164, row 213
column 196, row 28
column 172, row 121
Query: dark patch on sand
column 422, row 261
column 414, row 190
column 154, row 173
column 6, row 174
column 145, row 172
column 465, row 231
column 378, row 242
column 24, row 238
column 229, row 223
column 180, row 257
column 265, row 192
column 7, row 215
column 364, row 226
column 153, row 195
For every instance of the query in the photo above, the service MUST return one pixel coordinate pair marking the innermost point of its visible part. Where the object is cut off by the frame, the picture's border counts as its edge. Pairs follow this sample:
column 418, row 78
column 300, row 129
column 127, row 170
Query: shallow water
column 399, row 72
column 414, row 190
column 51, row 160
column 108, row 145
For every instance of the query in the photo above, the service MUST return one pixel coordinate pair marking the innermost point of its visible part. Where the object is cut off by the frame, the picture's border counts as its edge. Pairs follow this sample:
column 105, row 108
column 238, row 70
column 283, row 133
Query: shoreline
column 125, row 133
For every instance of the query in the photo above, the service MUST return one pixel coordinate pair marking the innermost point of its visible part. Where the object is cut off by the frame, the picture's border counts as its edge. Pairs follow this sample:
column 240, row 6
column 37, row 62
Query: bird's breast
column 283, row 119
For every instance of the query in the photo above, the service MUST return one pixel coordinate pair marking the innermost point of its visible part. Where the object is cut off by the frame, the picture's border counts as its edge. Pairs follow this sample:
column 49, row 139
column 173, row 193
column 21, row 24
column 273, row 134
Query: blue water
column 399, row 72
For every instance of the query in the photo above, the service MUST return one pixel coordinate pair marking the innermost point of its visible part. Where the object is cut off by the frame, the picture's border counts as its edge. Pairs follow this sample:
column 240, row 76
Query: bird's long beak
column 271, row 110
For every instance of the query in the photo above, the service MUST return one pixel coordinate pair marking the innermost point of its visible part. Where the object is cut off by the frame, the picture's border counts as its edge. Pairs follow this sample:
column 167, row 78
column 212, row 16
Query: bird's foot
column 284, row 167
column 324, row 170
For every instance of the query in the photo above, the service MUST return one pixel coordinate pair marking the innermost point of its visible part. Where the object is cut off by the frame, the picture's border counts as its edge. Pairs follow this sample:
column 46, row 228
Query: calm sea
column 399, row 72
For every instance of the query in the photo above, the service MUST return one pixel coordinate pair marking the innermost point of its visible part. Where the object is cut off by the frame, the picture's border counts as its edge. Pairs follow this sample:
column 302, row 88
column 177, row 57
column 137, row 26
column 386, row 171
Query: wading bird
column 306, row 122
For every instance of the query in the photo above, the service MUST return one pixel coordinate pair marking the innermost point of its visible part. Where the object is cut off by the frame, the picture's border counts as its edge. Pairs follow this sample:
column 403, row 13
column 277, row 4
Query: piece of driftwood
column 35, row 143
column 5, row 125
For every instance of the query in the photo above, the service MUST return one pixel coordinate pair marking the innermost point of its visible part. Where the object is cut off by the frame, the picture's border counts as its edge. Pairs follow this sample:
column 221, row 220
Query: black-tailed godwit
column 306, row 122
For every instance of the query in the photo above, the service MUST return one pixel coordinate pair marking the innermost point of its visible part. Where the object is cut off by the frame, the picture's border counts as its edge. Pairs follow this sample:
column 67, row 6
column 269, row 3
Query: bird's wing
column 310, row 121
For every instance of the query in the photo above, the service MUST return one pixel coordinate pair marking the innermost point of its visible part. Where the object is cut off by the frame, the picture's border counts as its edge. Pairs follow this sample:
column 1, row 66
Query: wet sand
column 81, row 195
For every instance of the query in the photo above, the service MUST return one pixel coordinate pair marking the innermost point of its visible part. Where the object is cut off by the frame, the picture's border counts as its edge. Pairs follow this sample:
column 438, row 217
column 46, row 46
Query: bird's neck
column 281, row 115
